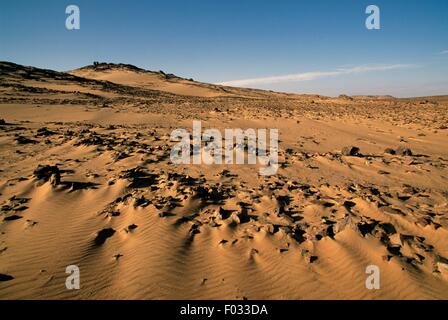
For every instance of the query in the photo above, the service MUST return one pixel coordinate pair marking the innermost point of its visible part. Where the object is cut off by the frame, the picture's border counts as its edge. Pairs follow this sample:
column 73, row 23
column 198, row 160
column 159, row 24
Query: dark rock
column 31, row 223
column 79, row 185
column 391, row 210
column 182, row 179
column 243, row 215
column 366, row 227
column 102, row 236
column 12, row 218
column 44, row 132
column 284, row 200
column 139, row 178
column 390, row 151
column 402, row 151
column 46, row 172
column 118, row 256
column 120, row 155
column 349, row 204
column 394, row 249
column 2, row 122
column 213, row 194
column 420, row 258
column 298, row 234
column 308, row 256
column 141, row 202
column 166, row 214
column 388, row 228
column 330, row 232
column 25, row 140
column 91, row 139
column 55, row 179
column 223, row 213
column 351, row 151
column 409, row 189
column 441, row 259
column 423, row 222
column 114, row 213
column 271, row 228
column 214, row 224
column 5, row 277
column 185, row 219
column 328, row 204
column 403, row 197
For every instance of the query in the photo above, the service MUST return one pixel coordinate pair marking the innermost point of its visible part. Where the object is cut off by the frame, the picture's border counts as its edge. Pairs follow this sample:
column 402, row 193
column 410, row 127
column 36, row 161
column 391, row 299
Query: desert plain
column 86, row 179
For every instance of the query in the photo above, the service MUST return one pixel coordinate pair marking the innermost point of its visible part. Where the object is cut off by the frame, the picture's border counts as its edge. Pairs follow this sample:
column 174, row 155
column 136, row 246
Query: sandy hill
column 115, row 84
column 130, row 75
column 133, row 76
column 24, row 78
column 108, row 80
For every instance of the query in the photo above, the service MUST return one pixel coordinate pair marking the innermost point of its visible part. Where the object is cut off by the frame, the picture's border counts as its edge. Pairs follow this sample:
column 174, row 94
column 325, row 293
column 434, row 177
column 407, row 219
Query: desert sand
column 86, row 179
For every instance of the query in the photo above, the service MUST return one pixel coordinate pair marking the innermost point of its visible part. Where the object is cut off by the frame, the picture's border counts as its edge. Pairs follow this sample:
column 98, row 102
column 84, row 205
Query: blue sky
column 297, row 46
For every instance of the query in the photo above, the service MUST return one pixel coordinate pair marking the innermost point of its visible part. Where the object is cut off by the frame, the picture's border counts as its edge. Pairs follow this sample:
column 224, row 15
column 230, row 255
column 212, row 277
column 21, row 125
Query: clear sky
column 297, row 46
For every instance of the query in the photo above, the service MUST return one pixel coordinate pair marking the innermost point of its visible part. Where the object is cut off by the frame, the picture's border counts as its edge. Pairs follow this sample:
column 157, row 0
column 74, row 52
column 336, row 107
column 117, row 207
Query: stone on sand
column 403, row 151
column 102, row 236
column 47, row 172
column 5, row 277
column 351, row 151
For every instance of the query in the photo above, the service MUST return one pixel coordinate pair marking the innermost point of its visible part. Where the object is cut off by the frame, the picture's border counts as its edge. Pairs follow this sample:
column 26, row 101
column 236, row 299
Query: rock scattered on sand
column 14, row 204
column 139, row 178
column 213, row 194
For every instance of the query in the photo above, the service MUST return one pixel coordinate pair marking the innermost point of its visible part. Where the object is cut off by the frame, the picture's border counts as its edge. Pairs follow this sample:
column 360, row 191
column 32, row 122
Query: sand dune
column 86, row 180
column 135, row 77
